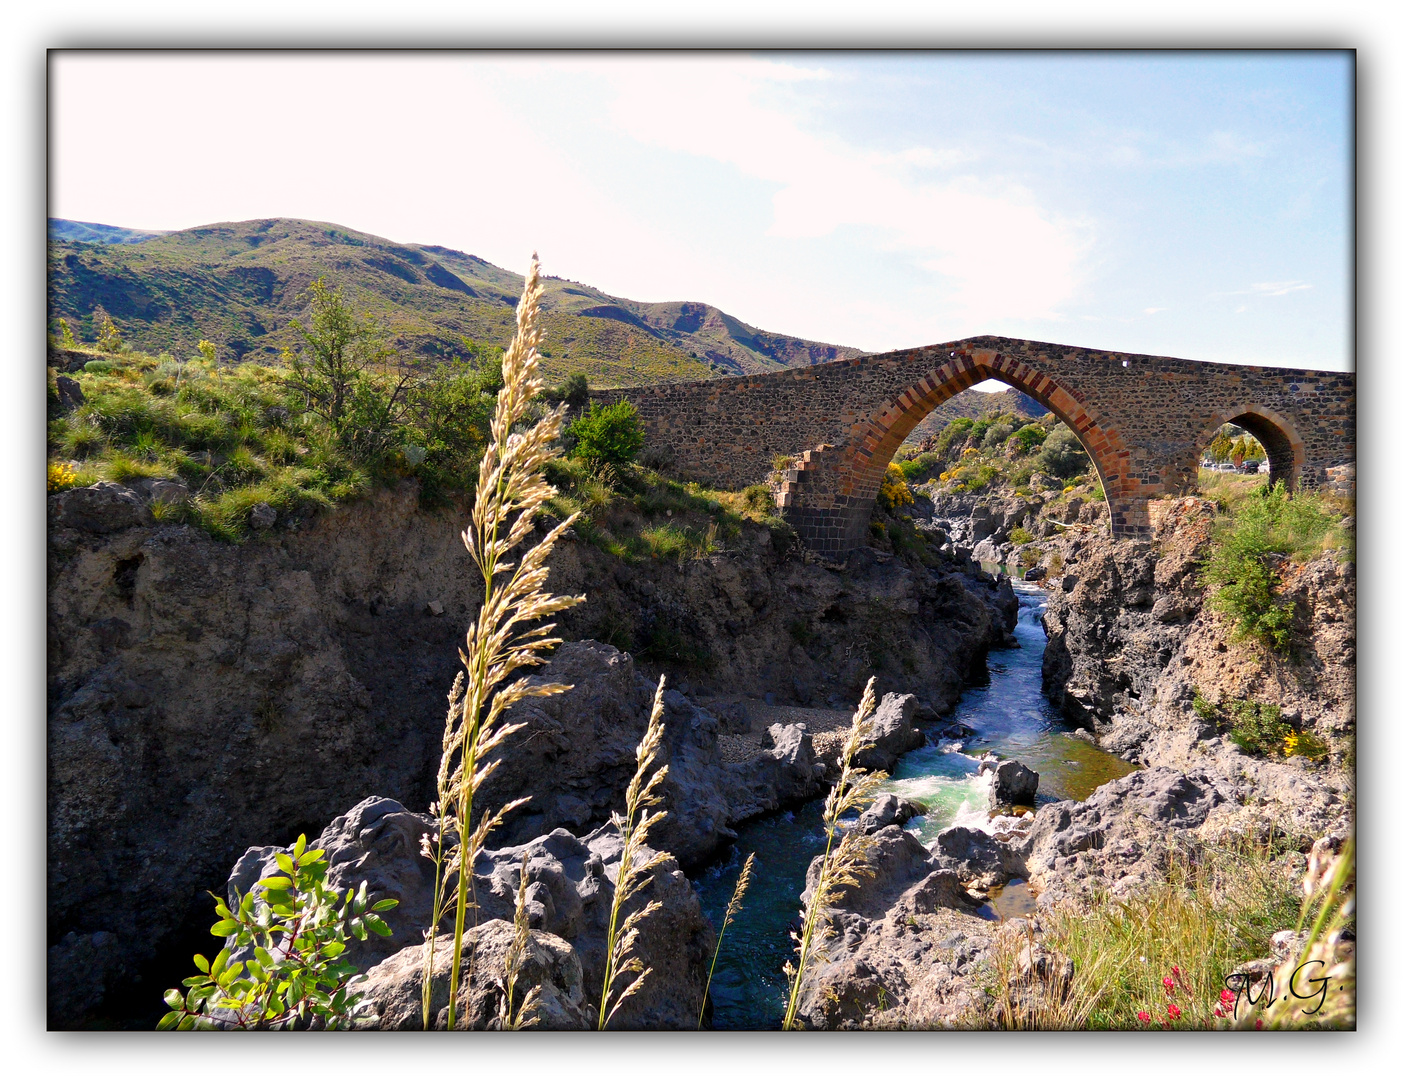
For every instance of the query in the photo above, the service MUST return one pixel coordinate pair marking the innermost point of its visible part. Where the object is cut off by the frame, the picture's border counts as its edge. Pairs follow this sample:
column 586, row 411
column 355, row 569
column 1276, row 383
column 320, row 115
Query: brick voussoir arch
column 881, row 435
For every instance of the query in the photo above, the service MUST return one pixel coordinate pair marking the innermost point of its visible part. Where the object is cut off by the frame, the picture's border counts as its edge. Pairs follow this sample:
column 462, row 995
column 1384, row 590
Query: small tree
column 109, row 340
column 608, row 435
column 66, row 335
column 339, row 352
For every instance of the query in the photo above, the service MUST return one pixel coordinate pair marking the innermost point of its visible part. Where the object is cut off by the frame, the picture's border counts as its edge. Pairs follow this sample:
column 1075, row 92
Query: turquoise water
column 1010, row 716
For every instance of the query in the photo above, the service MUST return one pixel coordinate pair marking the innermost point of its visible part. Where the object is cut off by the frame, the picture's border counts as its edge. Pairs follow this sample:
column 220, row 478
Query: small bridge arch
column 1283, row 445
column 1143, row 419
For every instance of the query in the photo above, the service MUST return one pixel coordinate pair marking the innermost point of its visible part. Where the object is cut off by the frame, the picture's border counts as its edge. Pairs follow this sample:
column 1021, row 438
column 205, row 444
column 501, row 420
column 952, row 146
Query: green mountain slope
column 239, row 284
column 976, row 404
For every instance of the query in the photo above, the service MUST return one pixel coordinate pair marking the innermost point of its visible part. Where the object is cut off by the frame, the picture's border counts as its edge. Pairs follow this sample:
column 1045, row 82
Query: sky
column 1197, row 205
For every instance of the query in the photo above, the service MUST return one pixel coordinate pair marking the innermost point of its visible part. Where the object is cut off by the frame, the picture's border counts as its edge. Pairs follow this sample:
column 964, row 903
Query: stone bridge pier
column 1144, row 421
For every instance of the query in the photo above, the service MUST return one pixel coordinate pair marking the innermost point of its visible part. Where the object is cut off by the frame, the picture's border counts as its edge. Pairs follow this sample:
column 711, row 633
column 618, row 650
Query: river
column 1010, row 716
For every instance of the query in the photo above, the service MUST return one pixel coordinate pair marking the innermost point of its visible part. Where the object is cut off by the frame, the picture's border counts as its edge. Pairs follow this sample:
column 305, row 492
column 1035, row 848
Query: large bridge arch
column 829, row 496
column 1143, row 419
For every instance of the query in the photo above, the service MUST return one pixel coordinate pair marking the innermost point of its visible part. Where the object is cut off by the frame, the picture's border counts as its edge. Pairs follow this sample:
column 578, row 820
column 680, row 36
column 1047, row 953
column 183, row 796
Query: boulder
column 1014, row 785
column 103, row 508
column 391, row 990
column 976, row 855
column 893, row 733
column 888, row 810
column 70, row 393
column 169, row 492
column 788, row 772
column 576, row 753
column 262, row 516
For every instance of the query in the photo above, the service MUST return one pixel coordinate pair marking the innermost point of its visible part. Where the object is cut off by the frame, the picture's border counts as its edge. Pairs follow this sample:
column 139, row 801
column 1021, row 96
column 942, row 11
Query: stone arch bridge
column 1143, row 419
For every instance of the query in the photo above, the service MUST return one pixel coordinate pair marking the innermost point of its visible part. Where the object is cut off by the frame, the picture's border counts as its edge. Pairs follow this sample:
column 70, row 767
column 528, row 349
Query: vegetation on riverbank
column 1262, row 529
column 1163, row 953
column 1000, row 450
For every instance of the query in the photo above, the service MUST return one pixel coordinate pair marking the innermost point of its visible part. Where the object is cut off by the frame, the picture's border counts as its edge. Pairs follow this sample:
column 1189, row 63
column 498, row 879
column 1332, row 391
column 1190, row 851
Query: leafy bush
column 297, row 928
column 957, row 432
column 916, row 468
column 1259, row 729
column 1062, row 455
column 1020, row 535
column 608, row 435
column 1241, row 567
column 1029, row 437
column 997, row 434
column 893, row 491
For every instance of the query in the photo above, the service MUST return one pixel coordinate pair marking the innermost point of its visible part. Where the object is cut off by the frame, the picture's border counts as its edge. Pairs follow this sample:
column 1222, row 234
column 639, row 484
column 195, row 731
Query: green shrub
column 1062, row 455
column 956, row 432
column 1020, row 535
column 996, row 435
column 1256, row 728
column 1029, row 437
column 917, row 468
column 608, row 435
column 297, row 928
column 1241, row 565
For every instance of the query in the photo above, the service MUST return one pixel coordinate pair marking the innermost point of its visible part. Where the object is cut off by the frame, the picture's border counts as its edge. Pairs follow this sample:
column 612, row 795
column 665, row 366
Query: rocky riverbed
column 1131, row 644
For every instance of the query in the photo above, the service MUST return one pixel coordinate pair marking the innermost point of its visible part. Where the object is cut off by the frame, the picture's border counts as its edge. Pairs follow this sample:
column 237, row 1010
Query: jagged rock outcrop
column 392, row 989
column 892, row 733
column 571, row 885
column 897, row 947
column 1132, row 643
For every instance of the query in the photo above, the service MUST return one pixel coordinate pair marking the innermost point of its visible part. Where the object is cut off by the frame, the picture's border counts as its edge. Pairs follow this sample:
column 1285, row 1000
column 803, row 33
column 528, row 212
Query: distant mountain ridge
column 91, row 232
column 239, row 284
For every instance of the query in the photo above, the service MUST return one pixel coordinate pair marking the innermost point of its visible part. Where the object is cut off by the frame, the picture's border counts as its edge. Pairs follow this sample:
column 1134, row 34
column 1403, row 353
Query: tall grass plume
column 636, row 866
column 507, row 634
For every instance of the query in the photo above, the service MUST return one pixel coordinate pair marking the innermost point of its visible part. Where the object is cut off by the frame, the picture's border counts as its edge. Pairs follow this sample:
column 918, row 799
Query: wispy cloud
column 998, row 252
column 1277, row 288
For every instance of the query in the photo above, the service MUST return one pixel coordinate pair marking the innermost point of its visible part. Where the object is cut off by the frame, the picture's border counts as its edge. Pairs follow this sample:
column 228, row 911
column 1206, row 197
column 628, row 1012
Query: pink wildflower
column 1259, row 1023
column 1145, row 1016
column 1174, row 1012
column 1167, row 984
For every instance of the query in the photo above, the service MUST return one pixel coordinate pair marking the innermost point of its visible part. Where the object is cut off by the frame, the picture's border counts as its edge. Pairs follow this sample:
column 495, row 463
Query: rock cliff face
column 204, row 698
column 1132, row 643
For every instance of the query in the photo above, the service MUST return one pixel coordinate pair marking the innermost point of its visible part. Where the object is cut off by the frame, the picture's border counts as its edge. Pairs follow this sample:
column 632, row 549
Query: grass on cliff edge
column 1212, row 911
column 237, row 436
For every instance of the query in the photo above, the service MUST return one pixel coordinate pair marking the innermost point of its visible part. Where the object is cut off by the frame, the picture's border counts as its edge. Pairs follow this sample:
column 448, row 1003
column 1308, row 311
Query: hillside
column 239, row 284
column 975, row 404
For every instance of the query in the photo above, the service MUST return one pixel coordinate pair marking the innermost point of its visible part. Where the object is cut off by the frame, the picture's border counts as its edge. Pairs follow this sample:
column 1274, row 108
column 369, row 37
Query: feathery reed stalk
column 842, row 864
column 634, row 872
column 510, row 491
column 508, row 1018
column 734, row 906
